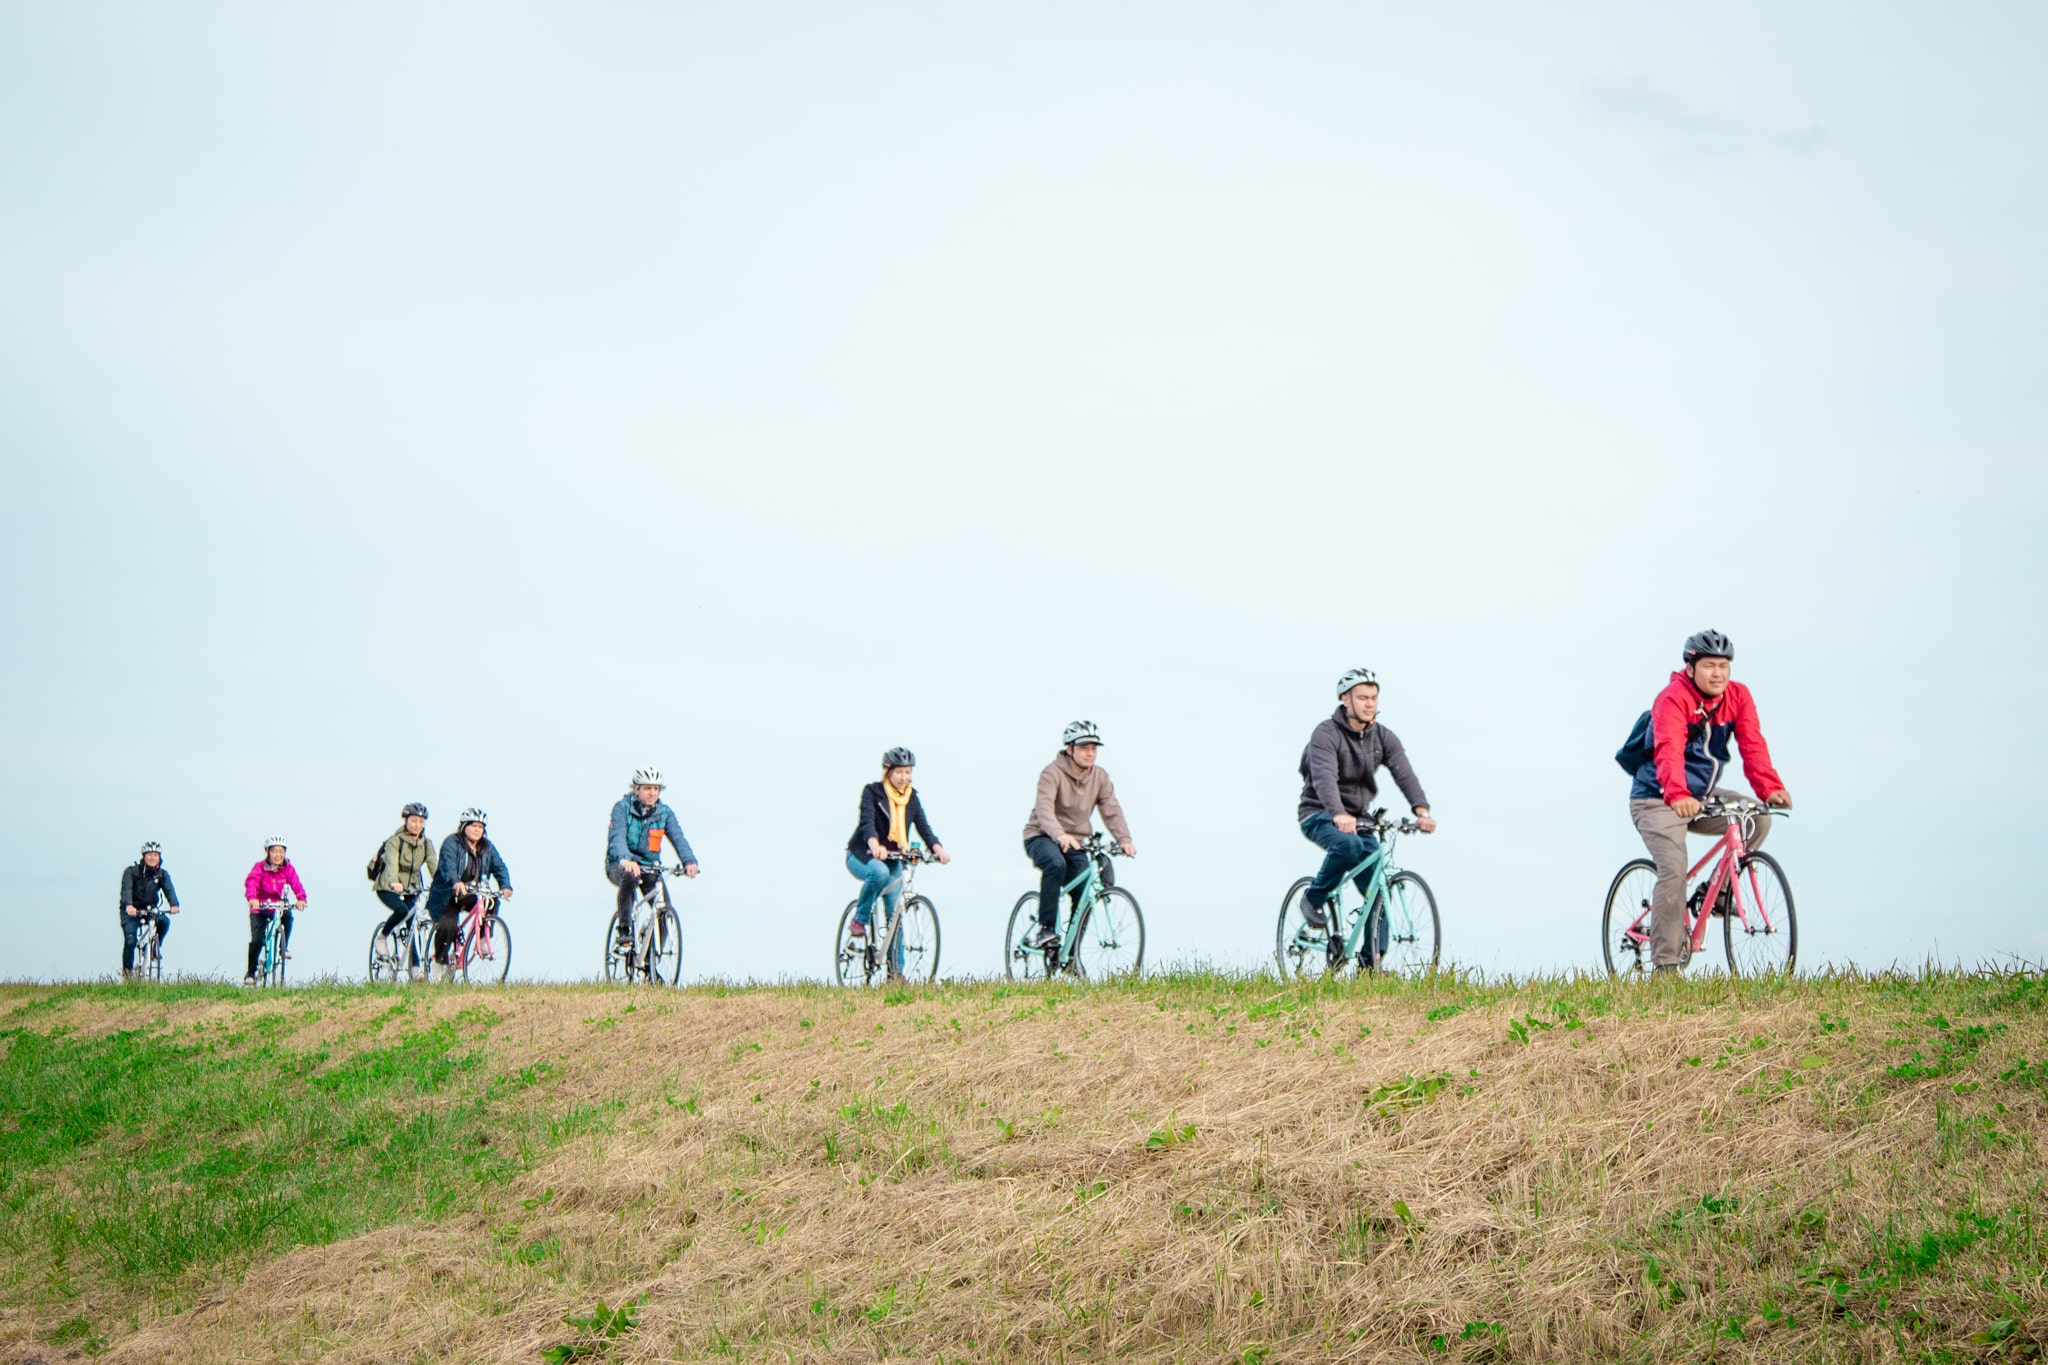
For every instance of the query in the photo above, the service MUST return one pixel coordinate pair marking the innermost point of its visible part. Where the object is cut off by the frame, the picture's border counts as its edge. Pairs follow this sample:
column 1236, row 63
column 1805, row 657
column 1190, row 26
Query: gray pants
column 1664, row 835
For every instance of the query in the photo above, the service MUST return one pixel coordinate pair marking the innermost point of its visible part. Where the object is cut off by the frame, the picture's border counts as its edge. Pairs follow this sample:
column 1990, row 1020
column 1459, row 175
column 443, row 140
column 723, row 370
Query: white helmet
column 1080, row 732
column 648, row 776
column 274, row 841
column 154, row 847
column 1354, row 678
column 472, row 814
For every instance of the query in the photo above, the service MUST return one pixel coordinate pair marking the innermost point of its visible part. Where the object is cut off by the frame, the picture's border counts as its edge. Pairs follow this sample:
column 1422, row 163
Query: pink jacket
column 267, row 883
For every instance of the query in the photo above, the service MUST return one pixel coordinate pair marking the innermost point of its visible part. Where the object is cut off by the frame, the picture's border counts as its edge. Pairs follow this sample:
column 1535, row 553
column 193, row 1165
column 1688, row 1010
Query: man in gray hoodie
column 1338, row 788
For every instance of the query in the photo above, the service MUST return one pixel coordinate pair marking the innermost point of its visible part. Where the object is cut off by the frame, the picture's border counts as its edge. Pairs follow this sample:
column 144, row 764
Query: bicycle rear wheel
column 1111, row 942
column 1301, row 951
column 920, row 937
column 616, row 951
column 1625, row 923
column 487, row 951
column 1021, row 963
column 854, row 960
column 1413, row 933
column 383, row 966
column 663, row 965
column 1763, row 936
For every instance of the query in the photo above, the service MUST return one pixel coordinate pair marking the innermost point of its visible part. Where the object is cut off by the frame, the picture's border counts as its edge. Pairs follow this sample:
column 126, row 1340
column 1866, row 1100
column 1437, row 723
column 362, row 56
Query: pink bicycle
column 1746, row 891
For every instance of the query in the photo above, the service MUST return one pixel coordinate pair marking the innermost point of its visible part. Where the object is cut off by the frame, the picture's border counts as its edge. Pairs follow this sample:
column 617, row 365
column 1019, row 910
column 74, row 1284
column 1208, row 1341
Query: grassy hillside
column 1192, row 1168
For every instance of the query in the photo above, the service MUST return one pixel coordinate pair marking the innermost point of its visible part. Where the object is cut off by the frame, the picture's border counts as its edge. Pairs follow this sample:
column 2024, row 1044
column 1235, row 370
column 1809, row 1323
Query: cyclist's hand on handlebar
column 253, row 907
column 132, row 911
column 1130, row 849
column 462, row 888
column 877, row 850
column 505, row 893
column 691, row 869
column 941, row 854
column 1068, row 843
column 1779, row 798
column 1686, row 807
column 630, row 868
column 1346, row 823
column 1425, row 822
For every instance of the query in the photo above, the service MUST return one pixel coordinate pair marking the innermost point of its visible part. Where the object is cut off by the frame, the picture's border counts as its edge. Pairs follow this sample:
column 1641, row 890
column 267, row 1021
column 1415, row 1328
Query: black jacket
column 874, row 820
column 140, row 887
column 1338, row 765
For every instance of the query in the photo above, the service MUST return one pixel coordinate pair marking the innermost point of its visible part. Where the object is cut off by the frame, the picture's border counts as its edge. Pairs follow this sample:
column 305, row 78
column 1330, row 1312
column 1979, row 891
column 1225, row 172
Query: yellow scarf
column 899, row 814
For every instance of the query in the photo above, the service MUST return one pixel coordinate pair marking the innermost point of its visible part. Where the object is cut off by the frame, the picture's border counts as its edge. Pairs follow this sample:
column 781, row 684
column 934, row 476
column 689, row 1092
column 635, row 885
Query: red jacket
column 1691, row 736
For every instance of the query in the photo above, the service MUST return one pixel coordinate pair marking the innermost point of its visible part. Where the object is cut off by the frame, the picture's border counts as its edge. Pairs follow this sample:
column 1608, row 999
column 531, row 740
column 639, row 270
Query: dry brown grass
column 1202, row 1170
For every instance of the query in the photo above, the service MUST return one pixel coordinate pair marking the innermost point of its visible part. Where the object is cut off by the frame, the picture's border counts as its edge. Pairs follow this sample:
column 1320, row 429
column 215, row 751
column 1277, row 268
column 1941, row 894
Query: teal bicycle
column 1399, row 932
column 1104, row 934
column 270, row 960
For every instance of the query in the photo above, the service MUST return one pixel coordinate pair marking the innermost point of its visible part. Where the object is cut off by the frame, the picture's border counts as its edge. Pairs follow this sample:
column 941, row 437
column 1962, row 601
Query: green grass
column 139, row 1156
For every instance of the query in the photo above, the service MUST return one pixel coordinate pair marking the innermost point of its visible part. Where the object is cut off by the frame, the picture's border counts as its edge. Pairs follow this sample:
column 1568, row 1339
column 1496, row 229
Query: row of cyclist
column 1674, row 755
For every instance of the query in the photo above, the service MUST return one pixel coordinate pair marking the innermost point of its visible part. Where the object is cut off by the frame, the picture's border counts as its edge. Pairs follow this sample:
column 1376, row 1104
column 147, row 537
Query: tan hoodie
column 1068, row 796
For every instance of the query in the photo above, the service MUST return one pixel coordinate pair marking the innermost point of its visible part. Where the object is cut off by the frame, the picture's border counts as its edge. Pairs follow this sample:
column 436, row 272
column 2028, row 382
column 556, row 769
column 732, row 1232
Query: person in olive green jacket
column 407, row 860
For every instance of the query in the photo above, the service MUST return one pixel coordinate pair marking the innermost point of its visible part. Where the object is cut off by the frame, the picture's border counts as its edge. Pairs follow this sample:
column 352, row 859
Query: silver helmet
column 1080, row 732
column 1354, row 678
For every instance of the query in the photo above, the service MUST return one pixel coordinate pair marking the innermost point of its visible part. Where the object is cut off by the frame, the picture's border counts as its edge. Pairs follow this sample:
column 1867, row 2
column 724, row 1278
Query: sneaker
column 1664, row 968
column 385, row 949
column 249, row 980
column 859, row 930
column 1313, row 916
column 286, row 955
column 1041, row 937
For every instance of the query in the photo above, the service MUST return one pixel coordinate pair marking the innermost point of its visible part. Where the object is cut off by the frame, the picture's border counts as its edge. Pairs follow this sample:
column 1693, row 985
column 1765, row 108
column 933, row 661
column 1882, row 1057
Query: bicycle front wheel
column 1413, row 934
column 617, row 952
column 487, row 951
column 1763, row 936
column 920, row 939
column 1625, row 923
column 1111, row 942
column 664, row 949
column 1021, row 961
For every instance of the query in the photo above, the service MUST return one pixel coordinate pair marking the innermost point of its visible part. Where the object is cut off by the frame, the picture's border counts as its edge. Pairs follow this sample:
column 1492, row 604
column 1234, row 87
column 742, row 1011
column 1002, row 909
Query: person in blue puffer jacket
column 466, row 858
column 641, row 822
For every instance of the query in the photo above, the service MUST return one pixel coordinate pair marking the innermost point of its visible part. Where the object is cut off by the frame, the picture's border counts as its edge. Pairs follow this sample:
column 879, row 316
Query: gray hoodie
column 1338, row 765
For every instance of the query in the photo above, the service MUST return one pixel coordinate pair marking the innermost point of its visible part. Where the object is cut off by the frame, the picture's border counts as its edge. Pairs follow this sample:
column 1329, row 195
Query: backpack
column 1639, row 748
column 376, row 867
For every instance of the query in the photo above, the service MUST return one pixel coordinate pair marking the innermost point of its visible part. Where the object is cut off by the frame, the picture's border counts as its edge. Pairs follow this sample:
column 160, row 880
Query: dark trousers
column 448, row 925
column 131, row 925
column 1055, row 869
column 629, row 886
column 259, row 924
column 400, row 908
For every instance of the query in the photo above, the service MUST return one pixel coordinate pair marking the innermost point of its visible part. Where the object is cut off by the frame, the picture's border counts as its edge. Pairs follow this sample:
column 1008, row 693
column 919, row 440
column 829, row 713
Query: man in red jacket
column 1679, row 766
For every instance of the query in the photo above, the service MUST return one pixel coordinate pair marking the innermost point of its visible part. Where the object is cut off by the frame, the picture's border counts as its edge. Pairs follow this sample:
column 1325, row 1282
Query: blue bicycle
column 1104, row 933
column 1397, row 932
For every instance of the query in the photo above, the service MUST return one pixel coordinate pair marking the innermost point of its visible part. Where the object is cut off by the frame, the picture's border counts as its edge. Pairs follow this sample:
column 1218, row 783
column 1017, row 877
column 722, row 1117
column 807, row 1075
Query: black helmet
column 413, row 808
column 899, row 757
column 1708, row 644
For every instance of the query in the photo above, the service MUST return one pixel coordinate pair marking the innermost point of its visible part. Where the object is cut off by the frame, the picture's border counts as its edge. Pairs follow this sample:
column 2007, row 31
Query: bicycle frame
column 273, row 937
column 1090, row 885
column 486, row 903
column 885, row 943
column 1730, row 851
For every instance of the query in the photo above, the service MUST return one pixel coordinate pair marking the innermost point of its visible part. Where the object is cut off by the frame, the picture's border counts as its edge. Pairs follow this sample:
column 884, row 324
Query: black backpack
column 376, row 867
column 1639, row 748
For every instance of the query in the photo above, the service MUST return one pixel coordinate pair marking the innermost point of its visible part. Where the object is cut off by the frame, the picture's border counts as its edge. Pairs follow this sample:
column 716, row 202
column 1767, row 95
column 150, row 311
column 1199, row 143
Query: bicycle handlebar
column 911, row 855
column 1102, row 843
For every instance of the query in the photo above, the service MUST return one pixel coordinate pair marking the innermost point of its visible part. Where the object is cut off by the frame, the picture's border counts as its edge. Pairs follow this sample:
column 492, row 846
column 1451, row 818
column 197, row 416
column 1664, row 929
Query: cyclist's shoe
column 1666, row 969
column 249, row 980
column 1313, row 916
column 1040, row 937
column 858, row 930
column 286, row 955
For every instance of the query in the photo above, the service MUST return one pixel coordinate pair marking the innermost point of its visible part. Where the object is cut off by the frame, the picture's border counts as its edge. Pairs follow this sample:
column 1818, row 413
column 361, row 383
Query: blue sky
column 468, row 404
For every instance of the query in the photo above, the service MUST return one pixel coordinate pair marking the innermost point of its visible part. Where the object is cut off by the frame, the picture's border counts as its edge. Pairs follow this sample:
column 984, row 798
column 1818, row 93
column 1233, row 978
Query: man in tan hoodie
column 1070, row 790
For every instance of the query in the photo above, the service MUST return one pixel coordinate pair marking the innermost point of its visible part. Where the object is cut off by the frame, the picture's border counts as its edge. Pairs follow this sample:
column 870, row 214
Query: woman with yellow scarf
column 889, row 810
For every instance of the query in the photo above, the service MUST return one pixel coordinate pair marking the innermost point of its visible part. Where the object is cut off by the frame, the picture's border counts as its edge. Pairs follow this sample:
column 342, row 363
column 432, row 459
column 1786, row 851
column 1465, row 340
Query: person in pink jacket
column 264, row 889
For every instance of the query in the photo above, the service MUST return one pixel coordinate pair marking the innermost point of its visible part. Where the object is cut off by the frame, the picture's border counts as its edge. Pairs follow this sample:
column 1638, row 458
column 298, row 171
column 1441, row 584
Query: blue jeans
column 1341, row 853
column 878, row 880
